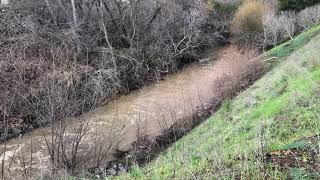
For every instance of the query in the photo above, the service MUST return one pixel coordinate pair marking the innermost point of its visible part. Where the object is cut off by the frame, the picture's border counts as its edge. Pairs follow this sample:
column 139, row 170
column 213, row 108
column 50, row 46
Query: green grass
column 231, row 144
column 285, row 49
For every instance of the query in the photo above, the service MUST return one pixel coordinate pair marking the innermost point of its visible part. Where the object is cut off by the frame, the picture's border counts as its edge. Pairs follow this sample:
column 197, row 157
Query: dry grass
column 247, row 25
column 245, row 72
column 248, row 18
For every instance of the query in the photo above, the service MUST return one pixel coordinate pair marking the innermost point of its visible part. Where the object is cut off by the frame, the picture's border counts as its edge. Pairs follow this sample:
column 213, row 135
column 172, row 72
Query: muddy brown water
column 115, row 126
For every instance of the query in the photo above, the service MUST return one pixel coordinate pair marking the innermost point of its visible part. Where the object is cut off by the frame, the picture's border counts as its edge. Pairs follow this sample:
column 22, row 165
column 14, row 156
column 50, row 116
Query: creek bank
column 146, row 148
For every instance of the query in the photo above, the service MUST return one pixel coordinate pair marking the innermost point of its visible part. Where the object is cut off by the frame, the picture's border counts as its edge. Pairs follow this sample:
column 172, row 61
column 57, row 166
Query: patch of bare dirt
column 306, row 156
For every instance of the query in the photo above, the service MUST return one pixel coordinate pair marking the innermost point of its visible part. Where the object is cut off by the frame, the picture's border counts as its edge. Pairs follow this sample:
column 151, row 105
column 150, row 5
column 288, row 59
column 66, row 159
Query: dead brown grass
column 246, row 70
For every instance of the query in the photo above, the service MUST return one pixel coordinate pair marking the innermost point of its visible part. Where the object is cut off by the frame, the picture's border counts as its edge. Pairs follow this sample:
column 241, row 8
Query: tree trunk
column 75, row 27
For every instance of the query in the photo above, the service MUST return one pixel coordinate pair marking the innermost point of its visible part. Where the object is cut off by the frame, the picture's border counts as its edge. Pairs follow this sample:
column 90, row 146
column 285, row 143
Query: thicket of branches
column 259, row 24
column 60, row 58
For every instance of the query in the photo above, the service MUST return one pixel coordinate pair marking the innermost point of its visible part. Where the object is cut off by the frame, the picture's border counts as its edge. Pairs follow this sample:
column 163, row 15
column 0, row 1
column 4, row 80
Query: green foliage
column 295, row 145
column 296, row 4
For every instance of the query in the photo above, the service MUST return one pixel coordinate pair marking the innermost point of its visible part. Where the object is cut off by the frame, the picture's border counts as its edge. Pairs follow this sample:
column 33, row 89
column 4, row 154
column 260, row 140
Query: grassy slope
column 278, row 110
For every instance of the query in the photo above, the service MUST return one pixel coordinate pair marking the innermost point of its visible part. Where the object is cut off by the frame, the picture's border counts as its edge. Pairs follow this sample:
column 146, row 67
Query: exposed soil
column 306, row 156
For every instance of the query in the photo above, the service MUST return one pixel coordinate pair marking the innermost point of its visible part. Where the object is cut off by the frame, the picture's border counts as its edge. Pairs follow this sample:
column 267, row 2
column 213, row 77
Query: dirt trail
column 115, row 126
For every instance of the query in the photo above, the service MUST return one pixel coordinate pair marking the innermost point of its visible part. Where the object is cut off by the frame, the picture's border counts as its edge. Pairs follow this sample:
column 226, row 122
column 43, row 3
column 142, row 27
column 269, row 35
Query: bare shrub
column 280, row 27
column 283, row 26
column 248, row 40
column 309, row 16
column 288, row 22
column 273, row 32
column 249, row 70
column 63, row 147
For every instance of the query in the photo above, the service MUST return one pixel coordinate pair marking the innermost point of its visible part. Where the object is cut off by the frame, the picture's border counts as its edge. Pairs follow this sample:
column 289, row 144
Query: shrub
column 279, row 27
column 246, row 69
column 272, row 29
column 287, row 23
column 248, row 18
column 296, row 4
column 248, row 40
column 247, row 25
column 309, row 17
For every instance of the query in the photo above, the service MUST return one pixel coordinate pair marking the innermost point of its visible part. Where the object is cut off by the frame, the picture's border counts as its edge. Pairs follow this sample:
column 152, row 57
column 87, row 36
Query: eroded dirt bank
column 115, row 127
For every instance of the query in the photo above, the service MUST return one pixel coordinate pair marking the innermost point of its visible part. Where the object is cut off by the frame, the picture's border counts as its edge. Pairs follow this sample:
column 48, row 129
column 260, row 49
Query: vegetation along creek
column 159, row 89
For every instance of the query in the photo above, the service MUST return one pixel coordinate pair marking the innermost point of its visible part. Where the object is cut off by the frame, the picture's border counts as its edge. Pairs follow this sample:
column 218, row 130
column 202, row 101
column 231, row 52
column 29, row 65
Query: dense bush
column 248, row 17
column 247, row 25
column 296, row 4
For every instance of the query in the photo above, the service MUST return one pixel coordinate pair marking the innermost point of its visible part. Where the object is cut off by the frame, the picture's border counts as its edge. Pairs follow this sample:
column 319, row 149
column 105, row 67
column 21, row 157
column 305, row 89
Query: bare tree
column 273, row 31
column 287, row 20
column 309, row 17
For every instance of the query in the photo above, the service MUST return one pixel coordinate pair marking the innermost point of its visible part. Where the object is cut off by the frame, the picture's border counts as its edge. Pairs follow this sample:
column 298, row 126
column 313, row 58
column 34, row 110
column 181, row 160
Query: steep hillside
column 269, row 131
